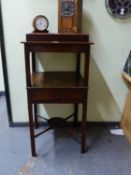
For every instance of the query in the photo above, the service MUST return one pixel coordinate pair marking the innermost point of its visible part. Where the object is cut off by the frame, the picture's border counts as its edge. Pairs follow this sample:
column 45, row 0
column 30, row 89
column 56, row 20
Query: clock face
column 119, row 8
column 67, row 7
column 41, row 23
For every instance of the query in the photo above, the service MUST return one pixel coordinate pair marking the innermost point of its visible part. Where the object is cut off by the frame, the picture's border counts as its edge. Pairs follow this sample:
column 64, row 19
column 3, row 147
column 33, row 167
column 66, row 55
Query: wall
column 1, row 75
column 112, row 44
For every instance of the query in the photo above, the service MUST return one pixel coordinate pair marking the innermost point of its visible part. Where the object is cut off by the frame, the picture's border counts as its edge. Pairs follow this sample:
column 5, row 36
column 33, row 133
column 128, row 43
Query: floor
column 59, row 152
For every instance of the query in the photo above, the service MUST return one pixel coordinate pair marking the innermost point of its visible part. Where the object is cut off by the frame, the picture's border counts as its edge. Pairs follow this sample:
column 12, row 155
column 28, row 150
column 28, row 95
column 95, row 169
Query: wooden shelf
column 57, row 80
column 57, row 87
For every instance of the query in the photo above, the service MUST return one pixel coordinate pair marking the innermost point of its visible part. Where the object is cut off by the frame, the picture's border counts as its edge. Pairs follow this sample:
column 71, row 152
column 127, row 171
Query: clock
column 69, row 16
column 40, row 24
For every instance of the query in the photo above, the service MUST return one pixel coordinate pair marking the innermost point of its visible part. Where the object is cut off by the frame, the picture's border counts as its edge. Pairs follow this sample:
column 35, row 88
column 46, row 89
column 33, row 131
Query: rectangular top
column 60, row 37
column 57, row 42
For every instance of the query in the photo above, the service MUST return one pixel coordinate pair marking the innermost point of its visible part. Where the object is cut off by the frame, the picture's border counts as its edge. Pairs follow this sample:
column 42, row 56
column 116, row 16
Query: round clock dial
column 67, row 8
column 40, row 23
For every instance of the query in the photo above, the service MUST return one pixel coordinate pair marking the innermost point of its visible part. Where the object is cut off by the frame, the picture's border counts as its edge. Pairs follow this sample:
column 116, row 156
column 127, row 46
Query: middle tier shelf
column 57, row 80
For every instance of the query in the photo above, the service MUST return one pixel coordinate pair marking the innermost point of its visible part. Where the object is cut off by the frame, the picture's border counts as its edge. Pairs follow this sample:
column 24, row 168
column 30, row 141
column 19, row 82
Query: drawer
column 58, row 95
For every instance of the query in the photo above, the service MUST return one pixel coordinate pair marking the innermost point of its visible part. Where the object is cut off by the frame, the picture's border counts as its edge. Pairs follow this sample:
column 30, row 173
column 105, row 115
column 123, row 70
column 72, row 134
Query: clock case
column 69, row 16
column 34, row 26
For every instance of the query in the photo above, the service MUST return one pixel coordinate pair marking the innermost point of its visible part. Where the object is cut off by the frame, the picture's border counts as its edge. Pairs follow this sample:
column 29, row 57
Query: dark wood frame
column 72, row 93
column 4, row 65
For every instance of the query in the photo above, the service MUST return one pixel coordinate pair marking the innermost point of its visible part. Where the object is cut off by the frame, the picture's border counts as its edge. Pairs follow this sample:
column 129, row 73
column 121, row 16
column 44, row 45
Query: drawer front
column 56, row 96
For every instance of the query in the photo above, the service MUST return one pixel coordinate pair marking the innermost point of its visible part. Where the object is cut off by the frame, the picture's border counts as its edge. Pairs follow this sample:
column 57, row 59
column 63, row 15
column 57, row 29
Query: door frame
column 5, row 72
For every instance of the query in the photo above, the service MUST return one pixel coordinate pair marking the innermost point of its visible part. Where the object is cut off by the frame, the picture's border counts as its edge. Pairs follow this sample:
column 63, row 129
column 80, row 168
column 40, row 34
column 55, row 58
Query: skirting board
column 26, row 124
column 2, row 93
